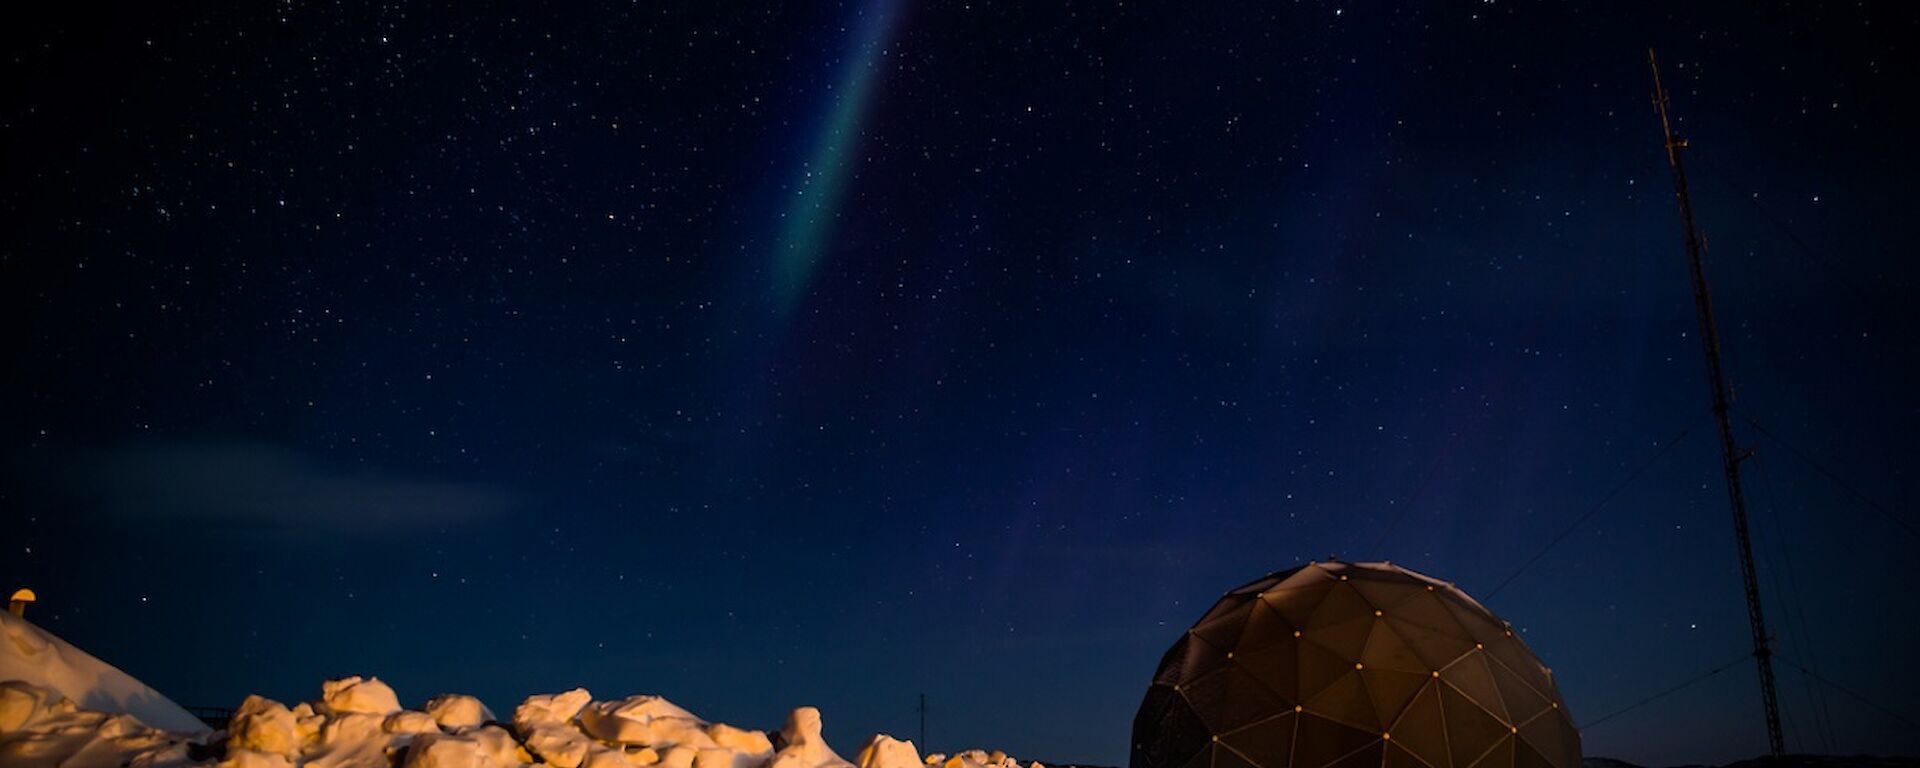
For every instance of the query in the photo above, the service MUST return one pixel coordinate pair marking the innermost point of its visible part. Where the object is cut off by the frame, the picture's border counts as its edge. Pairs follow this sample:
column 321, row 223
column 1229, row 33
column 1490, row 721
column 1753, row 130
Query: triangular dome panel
column 1265, row 739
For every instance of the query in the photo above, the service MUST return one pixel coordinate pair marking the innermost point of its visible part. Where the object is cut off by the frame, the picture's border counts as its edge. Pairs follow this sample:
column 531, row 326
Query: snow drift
column 360, row 722
column 33, row 655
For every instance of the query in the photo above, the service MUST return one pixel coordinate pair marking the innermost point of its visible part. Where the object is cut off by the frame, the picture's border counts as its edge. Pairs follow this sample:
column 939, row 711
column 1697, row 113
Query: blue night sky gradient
column 761, row 356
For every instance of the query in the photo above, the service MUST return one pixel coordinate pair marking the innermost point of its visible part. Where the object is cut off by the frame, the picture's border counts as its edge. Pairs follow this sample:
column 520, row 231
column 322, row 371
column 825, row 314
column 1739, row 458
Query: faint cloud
column 274, row 486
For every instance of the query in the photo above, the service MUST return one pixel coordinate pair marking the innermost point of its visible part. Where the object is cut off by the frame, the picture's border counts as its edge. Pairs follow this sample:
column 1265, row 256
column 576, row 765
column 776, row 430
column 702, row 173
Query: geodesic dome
column 1352, row 664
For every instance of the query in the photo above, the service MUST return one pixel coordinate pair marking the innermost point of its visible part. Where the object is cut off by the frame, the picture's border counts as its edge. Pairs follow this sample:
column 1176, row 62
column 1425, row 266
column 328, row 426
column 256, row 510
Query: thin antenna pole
column 923, row 722
column 1730, row 455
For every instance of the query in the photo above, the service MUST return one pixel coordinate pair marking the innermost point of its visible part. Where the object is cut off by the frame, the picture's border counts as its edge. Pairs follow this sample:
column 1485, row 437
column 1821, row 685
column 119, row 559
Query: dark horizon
column 831, row 355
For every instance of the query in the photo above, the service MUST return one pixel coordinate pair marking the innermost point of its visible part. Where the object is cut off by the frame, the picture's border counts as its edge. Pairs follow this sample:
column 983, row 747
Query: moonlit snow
column 360, row 722
column 61, row 707
column 33, row 655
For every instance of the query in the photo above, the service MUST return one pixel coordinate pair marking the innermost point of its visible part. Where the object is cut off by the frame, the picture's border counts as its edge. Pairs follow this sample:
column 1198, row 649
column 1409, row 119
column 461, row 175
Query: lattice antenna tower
column 1730, row 454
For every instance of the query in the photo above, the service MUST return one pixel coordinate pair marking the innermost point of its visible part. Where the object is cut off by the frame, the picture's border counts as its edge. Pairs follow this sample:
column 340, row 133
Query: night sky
column 767, row 355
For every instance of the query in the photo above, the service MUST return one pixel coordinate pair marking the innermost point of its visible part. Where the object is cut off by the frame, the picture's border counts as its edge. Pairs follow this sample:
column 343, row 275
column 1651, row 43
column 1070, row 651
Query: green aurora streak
column 819, row 189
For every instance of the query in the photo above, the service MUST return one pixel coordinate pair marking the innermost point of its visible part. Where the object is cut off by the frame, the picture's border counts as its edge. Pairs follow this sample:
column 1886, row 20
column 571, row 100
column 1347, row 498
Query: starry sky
column 762, row 355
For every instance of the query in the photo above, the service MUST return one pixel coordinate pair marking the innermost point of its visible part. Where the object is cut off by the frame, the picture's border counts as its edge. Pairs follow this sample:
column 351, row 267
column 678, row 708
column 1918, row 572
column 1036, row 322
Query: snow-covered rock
column 351, row 739
column 308, row 722
column 352, row 694
column 500, row 746
column 446, row 750
column 407, row 721
column 677, row 757
column 247, row 758
column 750, row 749
column 545, row 724
column 550, row 709
column 455, row 711
column 648, row 721
column 607, row 757
column 267, row 726
column 557, row 744
column 805, row 747
column 883, row 751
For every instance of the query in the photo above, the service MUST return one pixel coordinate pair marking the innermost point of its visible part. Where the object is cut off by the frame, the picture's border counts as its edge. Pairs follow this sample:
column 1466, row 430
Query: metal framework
column 1730, row 454
column 1350, row 665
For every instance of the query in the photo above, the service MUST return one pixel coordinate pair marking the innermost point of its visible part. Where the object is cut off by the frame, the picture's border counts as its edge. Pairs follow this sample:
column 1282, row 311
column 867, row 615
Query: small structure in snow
column 18, row 605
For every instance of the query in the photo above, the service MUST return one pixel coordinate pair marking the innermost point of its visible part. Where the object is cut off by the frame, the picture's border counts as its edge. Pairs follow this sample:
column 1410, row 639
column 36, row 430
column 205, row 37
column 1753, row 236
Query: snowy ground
column 360, row 722
column 60, row 706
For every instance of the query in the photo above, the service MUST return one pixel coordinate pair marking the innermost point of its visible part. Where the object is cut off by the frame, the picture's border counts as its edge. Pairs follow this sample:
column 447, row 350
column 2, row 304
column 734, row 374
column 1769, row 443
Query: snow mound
column 357, row 696
column 33, row 655
column 649, row 721
column 454, row 711
column 883, row 751
column 41, row 727
column 977, row 758
column 360, row 722
column 805, row 748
